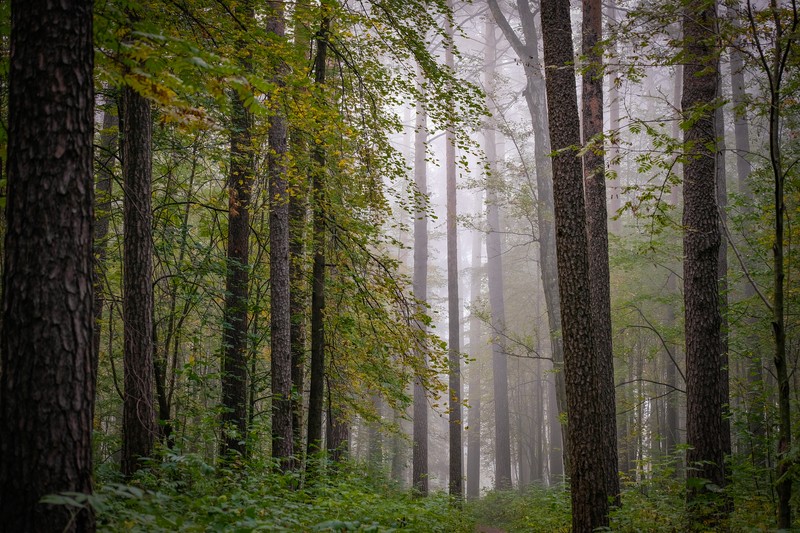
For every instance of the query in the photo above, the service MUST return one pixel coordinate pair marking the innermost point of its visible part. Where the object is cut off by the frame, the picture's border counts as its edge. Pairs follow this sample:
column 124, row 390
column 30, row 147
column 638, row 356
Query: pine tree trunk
column 588, row 454
column 701, row 242
column 138, row 414
column 48, row 363
column 494, row 263
column 419, row 460
column 234, row 336
column 597, row 228
column 280, row 317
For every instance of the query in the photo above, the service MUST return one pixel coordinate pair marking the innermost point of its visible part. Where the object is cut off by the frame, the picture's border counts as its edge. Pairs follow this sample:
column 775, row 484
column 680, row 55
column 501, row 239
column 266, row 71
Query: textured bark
column 587, row 452
column 494, row 263
column 48, row 364
column 234, row 334
column 597, row 229
column 527, row 51
column 317, row 379
column 701, row 243
column 138, row 412
column 456, row 481
column 280, row 316
column 474, row 369
column 419, row 459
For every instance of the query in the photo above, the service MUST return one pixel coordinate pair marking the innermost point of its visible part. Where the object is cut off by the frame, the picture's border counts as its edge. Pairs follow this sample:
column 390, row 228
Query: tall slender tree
column 456, row 484
column 138, row 412
column 494, row 265
column 586, row 443
column 474, row 369
column 597, row 228
column 47, row 382
column 237, row 280
column 280, row 316
column 419, row 456
column 701, row 242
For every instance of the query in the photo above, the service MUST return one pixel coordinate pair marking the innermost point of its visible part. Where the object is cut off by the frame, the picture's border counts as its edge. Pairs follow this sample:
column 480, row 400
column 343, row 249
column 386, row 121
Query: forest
column 399, row 265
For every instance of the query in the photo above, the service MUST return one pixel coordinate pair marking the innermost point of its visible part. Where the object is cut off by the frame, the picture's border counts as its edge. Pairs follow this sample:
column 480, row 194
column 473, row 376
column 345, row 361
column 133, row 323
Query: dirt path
column 488, row 529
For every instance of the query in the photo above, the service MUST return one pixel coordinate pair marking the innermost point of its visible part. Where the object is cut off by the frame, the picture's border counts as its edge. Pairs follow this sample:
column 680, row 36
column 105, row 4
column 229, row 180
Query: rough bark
column 234, row 333
column 494, row 263
column 456, row 471
column 280, row 316
column 419, row 459
column 701, row 242
column 138, row 412
column 587, row 451
column 317, row 378
column 597, row 229
column 48, row 361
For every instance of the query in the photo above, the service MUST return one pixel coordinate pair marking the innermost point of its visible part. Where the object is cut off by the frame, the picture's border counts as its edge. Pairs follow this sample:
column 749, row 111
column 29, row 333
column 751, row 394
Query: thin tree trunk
column 317, row 378
column 494, row 263
column 280, row 316
column 597, row 228
column 138, row 414
column 456, row 472
column 588, row 452
column 234, row 333
column 419, row 462
column 47, row 355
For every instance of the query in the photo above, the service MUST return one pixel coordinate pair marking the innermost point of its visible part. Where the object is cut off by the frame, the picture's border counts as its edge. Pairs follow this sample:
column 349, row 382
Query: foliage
column 184, row 493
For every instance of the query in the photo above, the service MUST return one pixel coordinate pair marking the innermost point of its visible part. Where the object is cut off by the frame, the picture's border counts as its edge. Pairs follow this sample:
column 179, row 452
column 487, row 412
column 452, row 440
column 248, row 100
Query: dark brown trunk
column 138, row 413
column 48, row 360
column 234, row 336
column 419, row 460
column 280, row 315
column 597, row 229
column 588, row 472
column 701, row 242
column 456, row 473
column 474, row 369
column 317, row 379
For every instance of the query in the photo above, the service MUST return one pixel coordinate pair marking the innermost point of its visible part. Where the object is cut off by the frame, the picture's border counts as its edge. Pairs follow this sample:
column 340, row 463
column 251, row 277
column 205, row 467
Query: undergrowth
column 183, row 493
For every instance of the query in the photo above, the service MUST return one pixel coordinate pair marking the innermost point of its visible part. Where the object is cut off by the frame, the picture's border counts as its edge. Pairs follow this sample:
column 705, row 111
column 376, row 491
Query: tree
column 474, row 431
column 597, row 228
column 47, row 382
column 456, row 484
column 280, row 317
column 494, row 266
column 138, row 414
column 419, row 456
column 701, row 242
column 235, row 324
column 587, row 435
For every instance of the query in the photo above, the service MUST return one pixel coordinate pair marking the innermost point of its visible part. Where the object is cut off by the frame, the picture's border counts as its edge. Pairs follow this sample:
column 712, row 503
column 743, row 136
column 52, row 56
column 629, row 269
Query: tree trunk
column 48, row 361
column 494, row 263
column 138, row 414
column 317, row 379
column 701, row 242
column 456, row 484
column 588, row 451
column 234, row 335
column 280, row 316
column 474, row 369
column 419, row 461
column 597, row 228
